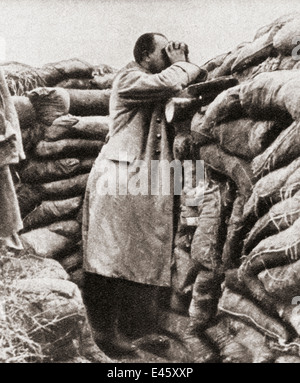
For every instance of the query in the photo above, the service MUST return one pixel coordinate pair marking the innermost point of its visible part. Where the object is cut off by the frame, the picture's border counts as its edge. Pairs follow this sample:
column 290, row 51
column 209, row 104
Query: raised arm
column 140, row 87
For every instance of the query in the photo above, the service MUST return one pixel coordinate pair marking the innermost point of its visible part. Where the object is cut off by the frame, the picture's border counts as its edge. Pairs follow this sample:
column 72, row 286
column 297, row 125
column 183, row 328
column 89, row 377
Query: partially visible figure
column 128, row 237
column 11, row 153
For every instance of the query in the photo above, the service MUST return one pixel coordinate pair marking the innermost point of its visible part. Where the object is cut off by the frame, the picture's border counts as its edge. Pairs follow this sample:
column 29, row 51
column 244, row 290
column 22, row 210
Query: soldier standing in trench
column 127, row 239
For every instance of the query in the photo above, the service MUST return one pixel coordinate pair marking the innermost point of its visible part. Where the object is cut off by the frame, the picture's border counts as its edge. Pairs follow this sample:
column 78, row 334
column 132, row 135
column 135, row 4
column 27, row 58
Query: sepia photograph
column 149, row 190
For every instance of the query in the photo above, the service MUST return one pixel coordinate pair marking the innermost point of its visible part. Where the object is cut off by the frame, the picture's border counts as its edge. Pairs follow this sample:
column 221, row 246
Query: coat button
column 158, row 135
column 158, row 120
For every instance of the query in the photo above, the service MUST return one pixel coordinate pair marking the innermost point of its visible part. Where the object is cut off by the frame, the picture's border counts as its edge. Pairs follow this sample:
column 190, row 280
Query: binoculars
column 166, row 57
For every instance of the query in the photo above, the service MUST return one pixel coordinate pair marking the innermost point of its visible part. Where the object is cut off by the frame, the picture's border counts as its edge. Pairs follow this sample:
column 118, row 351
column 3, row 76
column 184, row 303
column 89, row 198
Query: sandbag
column 103, row 81
column 280, row 309
column 55, row 319
column 279, row 23
column 238, row 306
column 214, row 73
column 77, row 277
column 29, row 197
column 21, row 77
column 254, row 342
column 283, row 151
column 89, row 102
column 92, row 127
column 65, row 188
column 72, row 68
column 280, row 217
column 31, row 136
column 188, row 347
column 254, row 52
column 209, row 90
column 28, row 146
column 245, row 138
column 290, row 314
column 215, row 62
column 68, row 147
column 72, row 262
column 279, row 184
column 292, row 185
column 284, row 40
column 282, row 282
column 9, row 154
column 25, row 110
column 69, row 229
column 103, row 69
column 234, row 283
column 290, row 349
column 225, row 68
column 225, row 107
column 271, row 64
column 235, row 233
column 76, row 83
column 42, row 170
column 35, row 268
column 273, row 94
column 238, row 170
column 181, row 109
column 79, row 216
column 48, row 310
column 246, row 74
column 288, row 359
column 46, row 243
column 229, row 350
column 49, row 103
column 289, row 63
column 277, row 250
column 50, row 211
column 196, row 129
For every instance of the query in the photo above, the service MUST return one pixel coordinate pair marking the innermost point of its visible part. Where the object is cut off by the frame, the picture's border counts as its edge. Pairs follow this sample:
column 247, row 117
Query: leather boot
column 111, row 340
column 113, row 343
column 103, row 300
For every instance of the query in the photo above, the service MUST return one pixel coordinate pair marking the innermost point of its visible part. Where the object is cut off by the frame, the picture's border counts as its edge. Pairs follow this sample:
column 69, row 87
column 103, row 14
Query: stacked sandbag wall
column 43, row 318
column 73, row 73
column 63, row 132
column 249, row 134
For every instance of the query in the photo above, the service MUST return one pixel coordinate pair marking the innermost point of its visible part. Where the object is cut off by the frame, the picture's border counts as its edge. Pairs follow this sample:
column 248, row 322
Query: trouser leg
column 141, row 308
column 97, row 296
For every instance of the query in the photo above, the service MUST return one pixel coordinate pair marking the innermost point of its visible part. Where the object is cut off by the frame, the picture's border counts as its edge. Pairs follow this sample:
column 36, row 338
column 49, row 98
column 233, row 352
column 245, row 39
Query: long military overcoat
column 128, row 234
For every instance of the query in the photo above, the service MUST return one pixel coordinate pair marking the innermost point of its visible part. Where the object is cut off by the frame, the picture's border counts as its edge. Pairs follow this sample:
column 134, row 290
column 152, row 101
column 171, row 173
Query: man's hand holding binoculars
column 177, row 51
